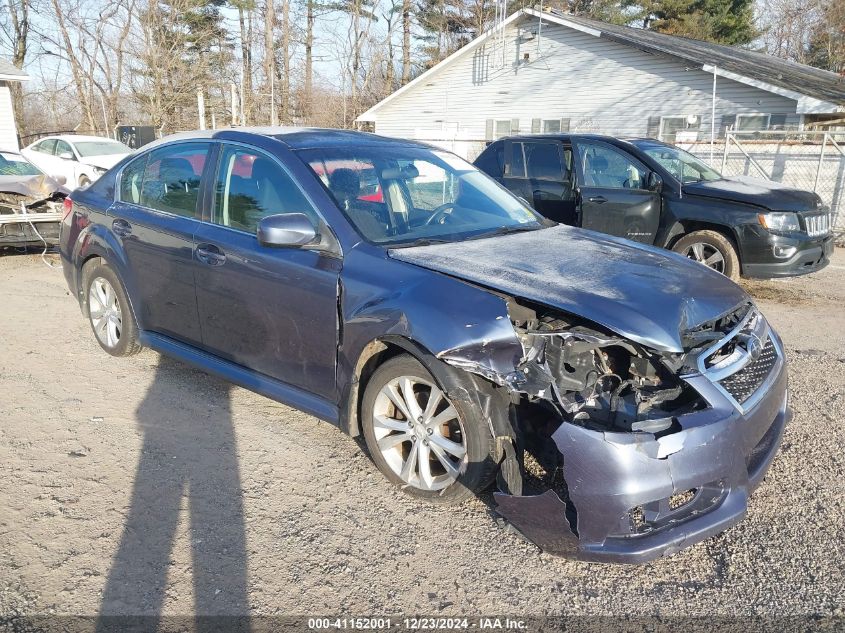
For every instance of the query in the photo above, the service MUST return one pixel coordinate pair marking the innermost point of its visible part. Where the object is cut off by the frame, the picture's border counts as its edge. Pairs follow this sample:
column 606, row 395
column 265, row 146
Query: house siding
column 599, row 85
column 8, row 130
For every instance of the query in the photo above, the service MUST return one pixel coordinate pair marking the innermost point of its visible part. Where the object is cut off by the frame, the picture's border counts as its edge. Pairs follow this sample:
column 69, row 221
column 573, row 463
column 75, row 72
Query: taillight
column 67, row 208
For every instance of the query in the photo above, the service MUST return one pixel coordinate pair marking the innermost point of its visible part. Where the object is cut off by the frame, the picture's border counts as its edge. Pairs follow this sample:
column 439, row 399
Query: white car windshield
column 407, row 195
column 682, row 165
column 100, row 148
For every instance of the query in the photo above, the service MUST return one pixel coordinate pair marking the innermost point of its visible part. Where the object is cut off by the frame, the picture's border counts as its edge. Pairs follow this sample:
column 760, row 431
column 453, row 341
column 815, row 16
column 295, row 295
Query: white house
column 8, row 129
column 549, row 71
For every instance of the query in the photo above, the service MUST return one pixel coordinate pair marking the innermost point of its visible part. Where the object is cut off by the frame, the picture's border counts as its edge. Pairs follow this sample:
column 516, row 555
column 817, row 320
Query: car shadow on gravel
column 188, row 458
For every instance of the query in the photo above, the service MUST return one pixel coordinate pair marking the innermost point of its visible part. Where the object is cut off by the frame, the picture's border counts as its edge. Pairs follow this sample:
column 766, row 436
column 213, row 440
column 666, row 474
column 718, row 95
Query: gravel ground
column 144, row 486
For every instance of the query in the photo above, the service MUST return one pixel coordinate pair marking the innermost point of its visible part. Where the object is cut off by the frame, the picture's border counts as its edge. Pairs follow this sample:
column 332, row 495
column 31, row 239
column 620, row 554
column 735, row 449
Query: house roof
column 10, row 72
column 806, row 80
column 813, row 88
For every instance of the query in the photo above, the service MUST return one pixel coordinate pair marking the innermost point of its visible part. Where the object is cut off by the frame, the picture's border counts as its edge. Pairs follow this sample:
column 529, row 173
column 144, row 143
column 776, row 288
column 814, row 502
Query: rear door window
column 46, row 147
column 172, row 178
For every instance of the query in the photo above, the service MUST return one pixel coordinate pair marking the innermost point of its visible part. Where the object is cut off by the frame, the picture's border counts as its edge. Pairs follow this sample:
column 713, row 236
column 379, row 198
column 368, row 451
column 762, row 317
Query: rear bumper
column 721, row 453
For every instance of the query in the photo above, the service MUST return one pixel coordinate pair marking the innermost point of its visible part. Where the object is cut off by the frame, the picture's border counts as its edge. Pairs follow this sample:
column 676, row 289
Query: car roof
column 294, row 137
column 76, row 137
column 566, row 136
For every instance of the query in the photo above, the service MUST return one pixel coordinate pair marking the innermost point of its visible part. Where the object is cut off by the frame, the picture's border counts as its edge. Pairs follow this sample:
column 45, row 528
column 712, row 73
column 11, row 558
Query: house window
column 551, row 126
column 670, row 126
column 752, row 122
column 503, row 127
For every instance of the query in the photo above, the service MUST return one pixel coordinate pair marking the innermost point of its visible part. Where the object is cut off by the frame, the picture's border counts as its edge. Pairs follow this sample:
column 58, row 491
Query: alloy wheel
column 104, row 311
column 419, row 433
column 706, row 254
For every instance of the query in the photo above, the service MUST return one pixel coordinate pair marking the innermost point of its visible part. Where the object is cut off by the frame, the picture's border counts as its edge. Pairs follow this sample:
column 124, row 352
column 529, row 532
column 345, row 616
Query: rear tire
column 439, row 450
column 108, row 310
column 712, row 249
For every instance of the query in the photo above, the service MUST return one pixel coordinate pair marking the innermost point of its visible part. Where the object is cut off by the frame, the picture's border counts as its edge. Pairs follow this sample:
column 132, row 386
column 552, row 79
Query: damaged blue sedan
column 625, row 400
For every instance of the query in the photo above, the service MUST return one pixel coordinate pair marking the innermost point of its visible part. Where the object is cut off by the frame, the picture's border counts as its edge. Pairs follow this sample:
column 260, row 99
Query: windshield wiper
column 423, row 241
column 505, row 230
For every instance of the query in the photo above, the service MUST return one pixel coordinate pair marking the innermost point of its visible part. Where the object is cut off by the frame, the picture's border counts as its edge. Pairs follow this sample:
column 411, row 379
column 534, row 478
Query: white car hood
column 104, row 162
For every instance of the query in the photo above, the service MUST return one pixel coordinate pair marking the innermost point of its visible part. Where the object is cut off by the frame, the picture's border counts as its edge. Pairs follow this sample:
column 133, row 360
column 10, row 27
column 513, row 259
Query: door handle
column 121, row 227
column 597, row 199
column 210, row 254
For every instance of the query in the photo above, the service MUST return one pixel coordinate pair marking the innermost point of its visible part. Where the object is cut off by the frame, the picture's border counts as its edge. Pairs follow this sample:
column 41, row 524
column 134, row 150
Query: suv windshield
column 16, row 165
column 405, row 195
column 682, row 165
column 100, row 148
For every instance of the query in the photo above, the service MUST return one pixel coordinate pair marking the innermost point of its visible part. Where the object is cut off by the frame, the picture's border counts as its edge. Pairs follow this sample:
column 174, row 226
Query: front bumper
column 722, row 453
column 811, row 255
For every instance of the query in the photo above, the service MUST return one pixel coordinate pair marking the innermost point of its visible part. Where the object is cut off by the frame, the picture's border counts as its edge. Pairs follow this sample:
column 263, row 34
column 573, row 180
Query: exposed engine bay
column 595, row 379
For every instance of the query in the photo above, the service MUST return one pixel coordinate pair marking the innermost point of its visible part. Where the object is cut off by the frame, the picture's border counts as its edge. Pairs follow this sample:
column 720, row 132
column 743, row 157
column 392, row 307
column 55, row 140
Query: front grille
column 817, row 225
column 748, row 380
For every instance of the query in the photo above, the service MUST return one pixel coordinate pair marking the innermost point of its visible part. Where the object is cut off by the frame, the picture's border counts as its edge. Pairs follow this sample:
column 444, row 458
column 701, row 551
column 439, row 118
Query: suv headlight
column 99, row 170
column 782, row 222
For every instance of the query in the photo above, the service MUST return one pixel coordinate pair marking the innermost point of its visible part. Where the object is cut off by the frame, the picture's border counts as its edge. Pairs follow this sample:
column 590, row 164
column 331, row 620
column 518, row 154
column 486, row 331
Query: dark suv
column 658, row 194
column 626, row 399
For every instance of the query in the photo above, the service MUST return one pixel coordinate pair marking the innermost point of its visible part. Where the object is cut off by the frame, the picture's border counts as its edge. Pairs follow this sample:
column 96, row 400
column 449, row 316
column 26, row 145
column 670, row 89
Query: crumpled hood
column 35, row 187
column 643, row 293
column 762, row 193
column 104, row 162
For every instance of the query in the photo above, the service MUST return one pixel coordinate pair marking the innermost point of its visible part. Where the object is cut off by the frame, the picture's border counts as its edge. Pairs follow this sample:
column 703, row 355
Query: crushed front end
column 620, row 453
column 30, row 214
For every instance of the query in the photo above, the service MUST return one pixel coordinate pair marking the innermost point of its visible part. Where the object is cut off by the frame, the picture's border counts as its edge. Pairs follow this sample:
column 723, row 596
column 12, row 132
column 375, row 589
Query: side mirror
column 654, row 182
column 62, row 180
column 291, row 230
column 66, row 156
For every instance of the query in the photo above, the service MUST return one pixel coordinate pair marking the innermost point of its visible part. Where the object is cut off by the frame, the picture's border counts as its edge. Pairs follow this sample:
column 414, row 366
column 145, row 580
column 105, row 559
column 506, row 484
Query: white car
column 80, row 159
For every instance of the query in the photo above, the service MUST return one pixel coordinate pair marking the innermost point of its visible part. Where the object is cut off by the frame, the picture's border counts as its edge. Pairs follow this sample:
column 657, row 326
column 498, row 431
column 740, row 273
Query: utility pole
column 201, row 108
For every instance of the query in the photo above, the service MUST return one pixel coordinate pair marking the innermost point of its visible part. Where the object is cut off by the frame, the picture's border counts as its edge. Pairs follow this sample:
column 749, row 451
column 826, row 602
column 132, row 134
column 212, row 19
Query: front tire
column 432, row 447
column 84, row 181
column 108, row 311
column 712, row 249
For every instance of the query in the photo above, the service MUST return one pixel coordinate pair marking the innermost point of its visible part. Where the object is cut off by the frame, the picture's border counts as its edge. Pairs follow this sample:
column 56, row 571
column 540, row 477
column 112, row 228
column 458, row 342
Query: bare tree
column 269, row 56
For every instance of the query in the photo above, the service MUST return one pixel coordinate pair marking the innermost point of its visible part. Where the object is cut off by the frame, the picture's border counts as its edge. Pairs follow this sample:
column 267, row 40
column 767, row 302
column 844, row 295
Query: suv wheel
column 109, row 312
column 84, row 181
column 422, row 441
column 711, row 249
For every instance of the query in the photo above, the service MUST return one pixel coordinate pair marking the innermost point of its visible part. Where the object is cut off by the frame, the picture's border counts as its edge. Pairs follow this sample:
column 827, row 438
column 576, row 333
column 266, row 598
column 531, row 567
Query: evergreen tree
column 721, row 21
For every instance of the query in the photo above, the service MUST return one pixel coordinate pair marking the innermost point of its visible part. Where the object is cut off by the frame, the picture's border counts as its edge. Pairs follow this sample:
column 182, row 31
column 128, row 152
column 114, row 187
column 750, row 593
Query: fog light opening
column 784, row 252
column 681, row 499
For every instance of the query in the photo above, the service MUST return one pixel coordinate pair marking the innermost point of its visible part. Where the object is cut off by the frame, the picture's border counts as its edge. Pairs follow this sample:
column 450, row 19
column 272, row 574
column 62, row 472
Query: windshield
column 406, row 195
column 682, row 165
column 100, row 148
column 16, row 165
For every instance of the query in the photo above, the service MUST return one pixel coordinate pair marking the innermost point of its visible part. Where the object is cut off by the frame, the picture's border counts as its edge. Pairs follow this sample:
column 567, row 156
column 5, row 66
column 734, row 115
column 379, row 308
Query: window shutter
column 514, row 126
column 535, row 126
column 653, row 130
column 489, row 129
column 564, row 125
column 777, row 121
column 728, row 121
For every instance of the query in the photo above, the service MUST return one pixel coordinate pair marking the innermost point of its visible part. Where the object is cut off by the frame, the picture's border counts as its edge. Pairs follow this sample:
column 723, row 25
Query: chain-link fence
column 814, row 161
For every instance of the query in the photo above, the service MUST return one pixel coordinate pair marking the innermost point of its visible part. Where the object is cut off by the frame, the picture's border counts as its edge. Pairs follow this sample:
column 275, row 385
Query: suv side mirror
column 291, row 230
column 654, row 182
